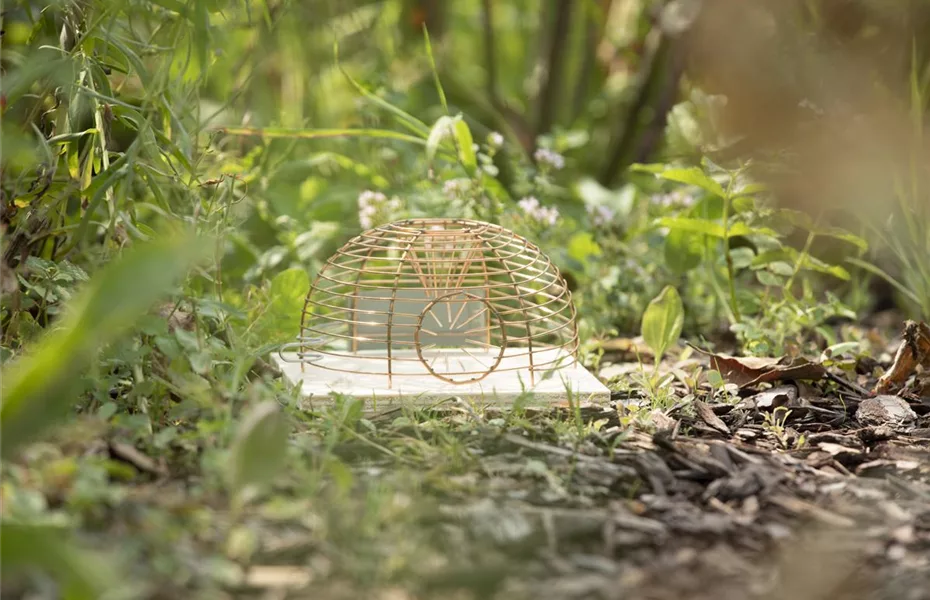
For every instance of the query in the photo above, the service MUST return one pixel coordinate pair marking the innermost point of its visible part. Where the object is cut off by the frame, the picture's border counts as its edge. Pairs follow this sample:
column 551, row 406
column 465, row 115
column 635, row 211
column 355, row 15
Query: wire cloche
column 448, row 299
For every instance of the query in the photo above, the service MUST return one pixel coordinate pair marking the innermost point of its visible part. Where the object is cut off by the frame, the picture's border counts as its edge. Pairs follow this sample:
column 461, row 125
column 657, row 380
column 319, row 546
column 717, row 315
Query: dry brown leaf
column 750, row 370
column 914, row 351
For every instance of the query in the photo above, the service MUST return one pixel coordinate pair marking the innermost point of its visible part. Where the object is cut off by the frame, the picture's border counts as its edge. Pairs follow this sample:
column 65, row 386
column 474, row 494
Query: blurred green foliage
column 269, row 133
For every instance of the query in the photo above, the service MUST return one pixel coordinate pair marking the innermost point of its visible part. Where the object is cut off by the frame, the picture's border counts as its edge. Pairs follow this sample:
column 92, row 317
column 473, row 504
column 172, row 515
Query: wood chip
column 131, row 455
column 706, row 413
column 277, row 576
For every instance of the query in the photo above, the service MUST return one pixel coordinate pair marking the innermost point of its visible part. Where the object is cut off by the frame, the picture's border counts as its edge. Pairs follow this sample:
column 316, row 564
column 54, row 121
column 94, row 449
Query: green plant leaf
column 693, row 176
column 702, row 226
column 282, row 315
column 683, row 250
column 37, row 388
column 662, row 321
column 82, row 575
column 582, row 247
column 259, row 450
column 466, row 146
column 711, row 228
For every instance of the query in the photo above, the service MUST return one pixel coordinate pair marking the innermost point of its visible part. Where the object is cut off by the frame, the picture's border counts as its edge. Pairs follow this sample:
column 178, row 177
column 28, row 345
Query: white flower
column 455, row 187
column 529, row 205
column 533, row 210
column 676, row 198
column 549, row 215
column 549, row 158
column 495, row 140
column 374, row 206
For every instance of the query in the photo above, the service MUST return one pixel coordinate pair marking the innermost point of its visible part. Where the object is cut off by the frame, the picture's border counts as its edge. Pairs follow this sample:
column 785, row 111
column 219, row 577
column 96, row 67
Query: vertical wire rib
column 390, row 314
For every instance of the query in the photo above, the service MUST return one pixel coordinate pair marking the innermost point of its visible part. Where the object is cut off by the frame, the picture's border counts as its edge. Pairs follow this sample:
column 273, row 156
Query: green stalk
column 731, row 278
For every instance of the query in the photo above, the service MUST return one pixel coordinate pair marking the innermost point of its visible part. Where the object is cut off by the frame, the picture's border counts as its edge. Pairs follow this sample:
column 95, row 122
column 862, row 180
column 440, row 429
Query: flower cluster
column 456, row 188
column 549, row 159
column 676, row 198
column 601, row 215
column 374, row 206
column 531, row 207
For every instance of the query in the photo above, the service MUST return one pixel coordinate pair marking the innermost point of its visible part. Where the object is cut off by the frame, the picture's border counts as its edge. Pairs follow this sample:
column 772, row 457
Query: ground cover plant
column 753, row 289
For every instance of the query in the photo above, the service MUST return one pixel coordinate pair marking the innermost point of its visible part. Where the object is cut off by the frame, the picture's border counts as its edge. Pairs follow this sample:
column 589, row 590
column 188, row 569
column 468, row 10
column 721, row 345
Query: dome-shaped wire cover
column 454, row 299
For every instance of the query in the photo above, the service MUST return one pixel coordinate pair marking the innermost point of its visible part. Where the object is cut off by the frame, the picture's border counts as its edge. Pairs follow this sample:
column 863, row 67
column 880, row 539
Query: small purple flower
column 601, row 215
column 549, row 158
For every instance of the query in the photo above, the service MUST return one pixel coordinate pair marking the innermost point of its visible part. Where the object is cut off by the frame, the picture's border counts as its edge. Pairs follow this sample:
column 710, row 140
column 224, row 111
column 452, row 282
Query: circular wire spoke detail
column 465, row 336
column 462, row 298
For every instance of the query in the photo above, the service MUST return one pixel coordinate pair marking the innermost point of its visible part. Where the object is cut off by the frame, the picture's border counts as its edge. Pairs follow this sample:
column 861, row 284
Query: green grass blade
column 312, row 134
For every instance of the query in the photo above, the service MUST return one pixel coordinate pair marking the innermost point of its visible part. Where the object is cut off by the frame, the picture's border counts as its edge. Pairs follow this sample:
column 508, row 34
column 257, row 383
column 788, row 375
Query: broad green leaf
column 662, row 321
column 776, row 259
column 259, row 450
column 466, row 146
column 82, row 575
column 743, row 204
column 743, row 229
column 683, row 250
column 37, row 388
column 840, row 349
column 582, row 247
column 650, row 168
column 751, row 189
column 693, row 176
column 693, row 226
column 841, row 234
column 281, row 318
column 769, row 279
column 786, row 254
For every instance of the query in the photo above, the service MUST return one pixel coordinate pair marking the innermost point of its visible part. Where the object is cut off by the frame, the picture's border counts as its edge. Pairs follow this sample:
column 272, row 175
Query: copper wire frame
column 379, row 300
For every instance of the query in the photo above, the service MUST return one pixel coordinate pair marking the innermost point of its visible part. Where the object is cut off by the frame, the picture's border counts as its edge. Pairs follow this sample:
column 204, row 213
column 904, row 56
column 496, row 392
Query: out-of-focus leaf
column 282, row 316
column 663, row 320
column 712, row 228
column 259, row 450
column 82, row 575
column 683, row 250
column 37, row 387
column 311, row 134
column 691, row 176
column 582, row 246
column 466, row 146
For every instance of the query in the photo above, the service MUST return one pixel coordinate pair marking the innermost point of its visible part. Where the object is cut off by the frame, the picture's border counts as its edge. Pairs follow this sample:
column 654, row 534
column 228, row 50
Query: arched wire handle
column 309, row 358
